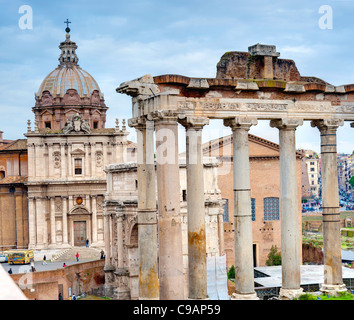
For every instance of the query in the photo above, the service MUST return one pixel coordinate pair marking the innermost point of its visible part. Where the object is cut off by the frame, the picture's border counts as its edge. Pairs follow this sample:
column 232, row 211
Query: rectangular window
column 78, row 166
column 253, row 209
column 95, row 124
column 184, row 195
column 271, row 208
column 312, row 169
column 48, row 124
column 226, row 211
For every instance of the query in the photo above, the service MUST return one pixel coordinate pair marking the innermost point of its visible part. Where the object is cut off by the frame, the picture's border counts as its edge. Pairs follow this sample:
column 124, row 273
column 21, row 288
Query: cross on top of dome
column 67, row 29
column 68, row 57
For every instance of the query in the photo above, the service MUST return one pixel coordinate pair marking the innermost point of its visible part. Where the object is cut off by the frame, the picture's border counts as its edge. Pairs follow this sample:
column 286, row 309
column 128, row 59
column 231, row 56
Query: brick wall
column 44, row 285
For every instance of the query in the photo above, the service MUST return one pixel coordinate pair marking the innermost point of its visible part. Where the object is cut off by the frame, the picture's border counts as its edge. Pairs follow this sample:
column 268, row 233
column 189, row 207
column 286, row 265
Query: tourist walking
column 102, row 254
column 44, row 260
column 77, row 257
column 10, row 271
column 64, row 265
column 87, row 243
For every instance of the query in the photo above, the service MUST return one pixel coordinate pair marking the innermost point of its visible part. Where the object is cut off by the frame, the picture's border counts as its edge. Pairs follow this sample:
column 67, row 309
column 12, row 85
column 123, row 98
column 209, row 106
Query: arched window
column 271, row 208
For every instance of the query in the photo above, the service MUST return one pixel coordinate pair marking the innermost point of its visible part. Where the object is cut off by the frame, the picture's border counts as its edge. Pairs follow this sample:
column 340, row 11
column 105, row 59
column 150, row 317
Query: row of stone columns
column 169, row 283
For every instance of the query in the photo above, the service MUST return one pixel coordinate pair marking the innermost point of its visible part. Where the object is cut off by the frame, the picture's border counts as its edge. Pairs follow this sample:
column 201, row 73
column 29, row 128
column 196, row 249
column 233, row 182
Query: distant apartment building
column 345, row 171
column 311, row 174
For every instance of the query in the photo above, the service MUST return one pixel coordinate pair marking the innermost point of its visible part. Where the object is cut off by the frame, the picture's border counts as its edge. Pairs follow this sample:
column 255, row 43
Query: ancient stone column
column 147, row 219
column 333, row 281
column 70, row 161
column 52, row 221
column 120, row 235
column 31, row 223
column 94, row 220
column 107, row 237
column 65, row 220
column 93, row 159
column 50, row 159
column 108, row 267
column 63, row 160
column 87, row 160
column 244, row 278
column 289, row 208
column 221, row 233
column 171, row 277
column 195, row 208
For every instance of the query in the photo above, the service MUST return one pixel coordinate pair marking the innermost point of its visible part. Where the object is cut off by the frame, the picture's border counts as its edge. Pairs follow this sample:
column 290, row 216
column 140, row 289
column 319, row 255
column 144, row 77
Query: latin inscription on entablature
column 345, row 109
column 312, row 107
column 231, row 106
column 303, row 107
column 266, row 107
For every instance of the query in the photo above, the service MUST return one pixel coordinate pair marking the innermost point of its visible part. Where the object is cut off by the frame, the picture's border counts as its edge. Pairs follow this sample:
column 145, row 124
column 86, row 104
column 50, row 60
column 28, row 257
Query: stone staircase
column 84, row 254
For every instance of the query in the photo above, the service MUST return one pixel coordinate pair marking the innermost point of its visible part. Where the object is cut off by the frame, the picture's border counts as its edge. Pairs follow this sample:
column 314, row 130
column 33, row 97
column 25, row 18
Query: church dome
column 69, row 90
column 68, row 77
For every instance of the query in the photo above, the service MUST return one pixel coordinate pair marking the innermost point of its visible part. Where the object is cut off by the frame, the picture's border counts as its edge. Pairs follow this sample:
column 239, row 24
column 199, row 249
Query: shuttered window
column 78, row 166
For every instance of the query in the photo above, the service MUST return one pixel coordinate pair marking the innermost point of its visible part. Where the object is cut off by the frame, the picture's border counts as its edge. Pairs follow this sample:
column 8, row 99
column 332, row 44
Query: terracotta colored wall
column 45, row 284
column 265, row 182
column 13, row 217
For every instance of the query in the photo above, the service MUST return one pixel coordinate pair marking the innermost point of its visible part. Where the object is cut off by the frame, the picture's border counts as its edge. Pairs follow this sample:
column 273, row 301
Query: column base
column 333, row 289
column 244, row 296
column 290, row 294
column 142, row 298
column 108, row 290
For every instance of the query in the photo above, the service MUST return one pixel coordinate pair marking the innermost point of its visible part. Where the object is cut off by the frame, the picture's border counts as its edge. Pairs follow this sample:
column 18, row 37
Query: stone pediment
column 79, row 209
column 78, row 152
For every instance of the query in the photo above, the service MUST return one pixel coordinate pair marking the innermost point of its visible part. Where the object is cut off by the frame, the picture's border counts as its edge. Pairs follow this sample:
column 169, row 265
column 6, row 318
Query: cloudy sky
column 122, row 40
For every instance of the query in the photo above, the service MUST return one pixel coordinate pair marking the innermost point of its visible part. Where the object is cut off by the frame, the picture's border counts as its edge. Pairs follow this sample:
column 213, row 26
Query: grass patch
column 340, row 296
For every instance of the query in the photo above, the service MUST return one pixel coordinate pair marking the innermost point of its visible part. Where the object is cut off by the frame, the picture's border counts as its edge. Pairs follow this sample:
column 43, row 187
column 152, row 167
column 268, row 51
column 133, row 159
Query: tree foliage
column 274, row 257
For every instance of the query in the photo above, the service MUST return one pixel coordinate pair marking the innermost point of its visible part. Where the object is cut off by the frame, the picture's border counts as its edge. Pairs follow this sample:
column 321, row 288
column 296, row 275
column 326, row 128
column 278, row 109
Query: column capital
column 326, row 124
column 196, row 123
column 120, row 216
column 164, row 116
column 141, row 123
column 240, row 123
column 286, row 123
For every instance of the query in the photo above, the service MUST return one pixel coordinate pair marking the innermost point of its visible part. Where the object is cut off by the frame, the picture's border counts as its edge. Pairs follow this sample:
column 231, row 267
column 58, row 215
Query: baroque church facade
column 67, row 152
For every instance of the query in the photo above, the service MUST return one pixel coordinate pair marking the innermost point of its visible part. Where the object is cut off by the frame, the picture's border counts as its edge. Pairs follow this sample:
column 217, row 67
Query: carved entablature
column 267, row 89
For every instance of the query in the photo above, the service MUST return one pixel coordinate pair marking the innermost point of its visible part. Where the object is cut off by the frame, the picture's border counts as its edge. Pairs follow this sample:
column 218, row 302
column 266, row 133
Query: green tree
column 274, row 257
column 231, row 272
column 351, row 181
